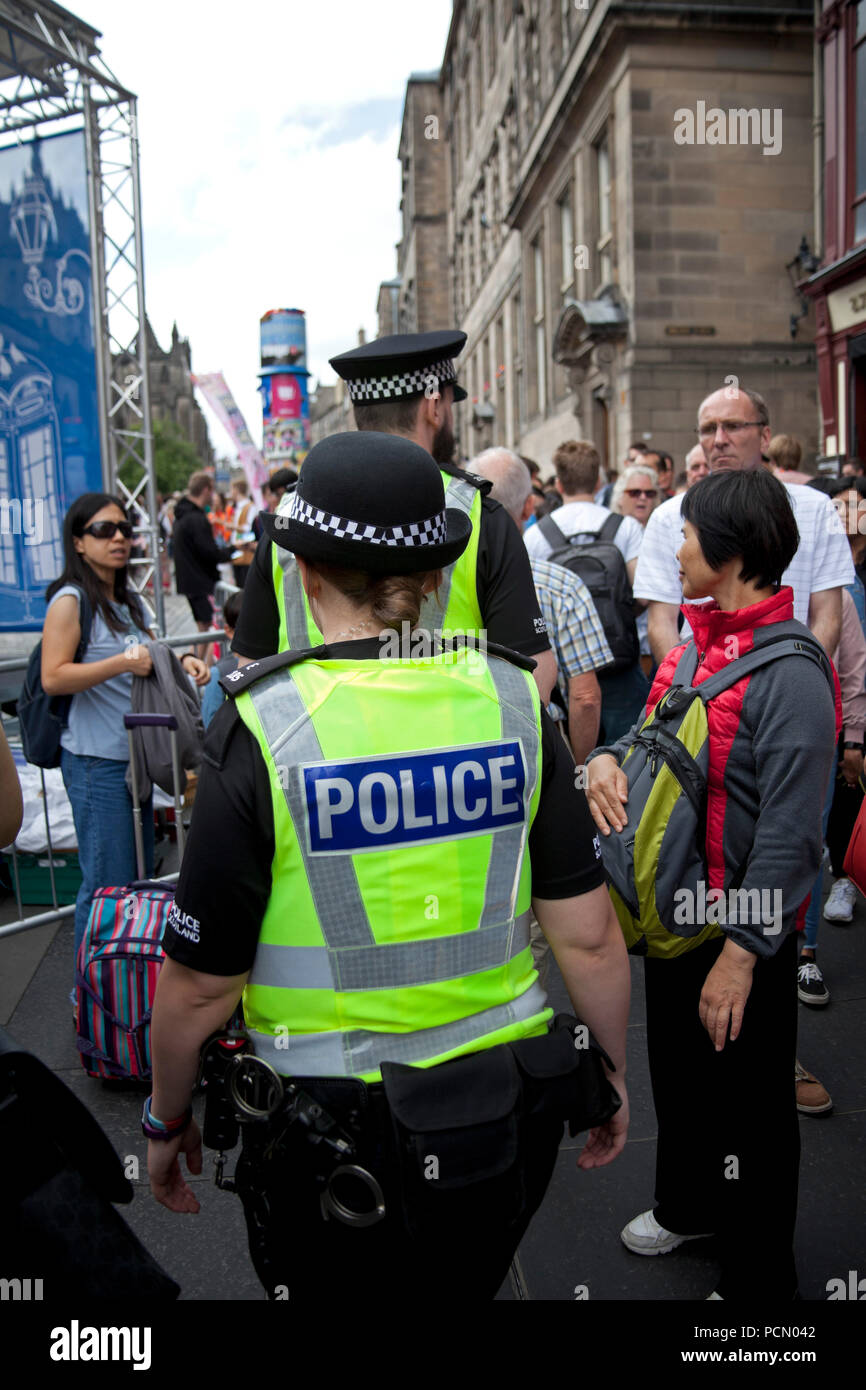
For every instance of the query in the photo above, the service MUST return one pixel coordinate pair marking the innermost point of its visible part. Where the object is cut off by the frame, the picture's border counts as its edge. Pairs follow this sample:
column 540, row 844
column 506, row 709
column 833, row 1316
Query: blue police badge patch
column 364, row 804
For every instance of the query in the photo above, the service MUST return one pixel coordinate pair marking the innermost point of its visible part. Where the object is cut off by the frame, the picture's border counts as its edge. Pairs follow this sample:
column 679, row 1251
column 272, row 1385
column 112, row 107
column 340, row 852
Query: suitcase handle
column 150, row 721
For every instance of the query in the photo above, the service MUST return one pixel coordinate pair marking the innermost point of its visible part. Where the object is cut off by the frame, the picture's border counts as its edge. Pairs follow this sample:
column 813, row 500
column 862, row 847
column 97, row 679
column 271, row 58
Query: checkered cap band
column 434, row 531
column 394, row 388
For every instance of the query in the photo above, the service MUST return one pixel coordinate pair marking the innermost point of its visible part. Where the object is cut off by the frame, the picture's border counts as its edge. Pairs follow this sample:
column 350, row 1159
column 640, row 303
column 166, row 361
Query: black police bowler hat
column 401, row 366
column 373, row 502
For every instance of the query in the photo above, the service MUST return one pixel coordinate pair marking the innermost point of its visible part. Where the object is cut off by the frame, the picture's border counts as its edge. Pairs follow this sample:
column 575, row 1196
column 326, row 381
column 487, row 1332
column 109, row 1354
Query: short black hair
column 746, row 513
column 283, row 477
column 232, row 608
column 849, row 482
column 388, row 417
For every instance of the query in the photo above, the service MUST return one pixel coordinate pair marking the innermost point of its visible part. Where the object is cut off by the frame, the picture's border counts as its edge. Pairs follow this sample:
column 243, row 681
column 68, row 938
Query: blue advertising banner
column 49, row 423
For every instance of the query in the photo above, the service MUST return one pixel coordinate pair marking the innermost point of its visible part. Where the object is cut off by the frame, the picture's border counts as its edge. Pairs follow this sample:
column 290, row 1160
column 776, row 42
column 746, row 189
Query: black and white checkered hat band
column 434, row 531
column 394, row 388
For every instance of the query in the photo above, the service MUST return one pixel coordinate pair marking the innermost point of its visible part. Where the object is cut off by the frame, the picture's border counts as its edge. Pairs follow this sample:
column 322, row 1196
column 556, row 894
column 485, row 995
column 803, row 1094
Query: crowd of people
column 590, row 587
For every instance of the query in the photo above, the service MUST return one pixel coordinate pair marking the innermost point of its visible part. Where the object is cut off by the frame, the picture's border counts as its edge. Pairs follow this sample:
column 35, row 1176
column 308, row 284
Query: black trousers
column 728, row 1151
column 840, row 825
column 461, row 1250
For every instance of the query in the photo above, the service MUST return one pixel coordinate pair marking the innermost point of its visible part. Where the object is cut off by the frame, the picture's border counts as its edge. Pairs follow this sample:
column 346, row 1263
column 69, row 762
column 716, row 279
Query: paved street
column 574, row 1239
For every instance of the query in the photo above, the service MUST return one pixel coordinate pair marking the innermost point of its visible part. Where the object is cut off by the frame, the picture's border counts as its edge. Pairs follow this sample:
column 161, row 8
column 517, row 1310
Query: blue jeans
column 102, row 812
column 623, row 696
column 813, row 911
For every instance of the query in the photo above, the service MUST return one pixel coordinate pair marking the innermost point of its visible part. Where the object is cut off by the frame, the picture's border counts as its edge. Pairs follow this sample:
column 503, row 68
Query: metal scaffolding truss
column 52, row 74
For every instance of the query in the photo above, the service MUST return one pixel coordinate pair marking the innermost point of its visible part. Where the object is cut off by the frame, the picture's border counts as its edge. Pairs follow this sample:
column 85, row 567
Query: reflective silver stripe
column 292, row 739
column 353, row 960
column 392, row 965
column 461, row 495
column 357, row 1052
column 519, row 721
column 293, row 600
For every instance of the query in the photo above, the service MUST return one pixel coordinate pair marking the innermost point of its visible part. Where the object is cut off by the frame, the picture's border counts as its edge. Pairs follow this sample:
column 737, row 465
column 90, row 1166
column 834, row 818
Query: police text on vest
column 410, row 798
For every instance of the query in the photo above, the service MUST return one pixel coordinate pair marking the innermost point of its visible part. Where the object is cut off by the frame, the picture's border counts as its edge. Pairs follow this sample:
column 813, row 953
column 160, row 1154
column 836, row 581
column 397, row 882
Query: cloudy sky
column 269, row 164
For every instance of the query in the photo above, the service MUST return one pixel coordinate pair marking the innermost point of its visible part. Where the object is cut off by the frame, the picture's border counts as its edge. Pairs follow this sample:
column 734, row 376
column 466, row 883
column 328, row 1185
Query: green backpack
column 656, row 866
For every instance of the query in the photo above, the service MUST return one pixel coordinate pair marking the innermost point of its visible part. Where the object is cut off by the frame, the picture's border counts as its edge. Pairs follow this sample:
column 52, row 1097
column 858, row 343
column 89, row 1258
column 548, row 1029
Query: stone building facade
column 172, row 395
column 330, row 412
column 838, row 286
column 423, row 269
column 626, row 186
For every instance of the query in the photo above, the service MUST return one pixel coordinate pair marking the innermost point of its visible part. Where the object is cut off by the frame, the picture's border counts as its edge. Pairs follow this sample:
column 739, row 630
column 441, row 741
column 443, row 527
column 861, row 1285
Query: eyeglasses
column 640, row 491
column 731, row 427
column 106, row 530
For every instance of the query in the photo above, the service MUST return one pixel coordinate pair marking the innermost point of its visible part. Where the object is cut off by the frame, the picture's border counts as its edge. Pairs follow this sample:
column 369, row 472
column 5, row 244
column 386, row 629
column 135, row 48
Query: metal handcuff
column 259, row 1092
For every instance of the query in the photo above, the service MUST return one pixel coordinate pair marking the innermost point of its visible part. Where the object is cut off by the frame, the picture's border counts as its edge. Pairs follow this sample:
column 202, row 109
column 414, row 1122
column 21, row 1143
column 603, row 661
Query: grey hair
column 512, row 480
column 625, row 478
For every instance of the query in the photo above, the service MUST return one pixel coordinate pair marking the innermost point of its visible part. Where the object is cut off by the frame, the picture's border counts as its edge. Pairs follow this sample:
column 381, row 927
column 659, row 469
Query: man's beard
column 443, row 444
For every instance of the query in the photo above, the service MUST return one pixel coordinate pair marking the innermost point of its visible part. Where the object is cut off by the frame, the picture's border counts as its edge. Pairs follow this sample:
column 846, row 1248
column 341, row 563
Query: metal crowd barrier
column 58, row 913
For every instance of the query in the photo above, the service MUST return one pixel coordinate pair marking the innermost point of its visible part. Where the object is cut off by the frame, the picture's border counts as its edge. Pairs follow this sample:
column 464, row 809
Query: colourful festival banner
column 221, row 401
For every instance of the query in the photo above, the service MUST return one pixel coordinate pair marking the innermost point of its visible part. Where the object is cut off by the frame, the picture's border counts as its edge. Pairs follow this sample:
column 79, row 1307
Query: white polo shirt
column 823, row 558
column 573, row 518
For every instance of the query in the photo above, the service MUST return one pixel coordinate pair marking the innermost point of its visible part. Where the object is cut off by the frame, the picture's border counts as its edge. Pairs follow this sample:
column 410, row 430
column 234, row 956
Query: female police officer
column 373, row 823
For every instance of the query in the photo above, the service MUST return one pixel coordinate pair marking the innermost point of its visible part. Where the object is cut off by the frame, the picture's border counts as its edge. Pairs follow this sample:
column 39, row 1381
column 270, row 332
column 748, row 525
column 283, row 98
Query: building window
column 491, row 40
column 604, row 241
column 540, row 337
column 518, row 407
column 565, row 12
column 860, row 119
column 566, row 234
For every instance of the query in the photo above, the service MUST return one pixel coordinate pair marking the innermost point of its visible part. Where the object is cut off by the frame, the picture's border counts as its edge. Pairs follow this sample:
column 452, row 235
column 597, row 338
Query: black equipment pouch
column 457, row 1127
column 563, row 1076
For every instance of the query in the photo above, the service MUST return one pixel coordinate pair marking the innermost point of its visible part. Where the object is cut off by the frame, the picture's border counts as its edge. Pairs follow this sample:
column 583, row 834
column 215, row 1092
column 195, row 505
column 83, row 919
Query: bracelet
column 152, row 1128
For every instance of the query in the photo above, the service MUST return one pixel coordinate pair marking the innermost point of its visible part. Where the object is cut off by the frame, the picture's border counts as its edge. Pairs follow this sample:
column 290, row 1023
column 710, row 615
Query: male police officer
column 404, row 385
column 370, row 897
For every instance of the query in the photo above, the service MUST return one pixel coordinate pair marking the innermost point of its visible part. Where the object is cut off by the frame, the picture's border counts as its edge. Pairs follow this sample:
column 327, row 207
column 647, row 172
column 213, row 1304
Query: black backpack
column 41, row 717
column 595, row 559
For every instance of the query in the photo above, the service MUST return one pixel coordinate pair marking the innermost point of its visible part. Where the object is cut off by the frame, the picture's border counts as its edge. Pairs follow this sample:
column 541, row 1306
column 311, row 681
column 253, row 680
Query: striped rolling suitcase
column 121, row 954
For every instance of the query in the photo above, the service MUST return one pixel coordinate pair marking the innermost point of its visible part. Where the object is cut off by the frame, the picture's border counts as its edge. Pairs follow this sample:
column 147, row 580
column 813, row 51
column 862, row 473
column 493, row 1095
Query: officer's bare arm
column 188, row 1007
column 587, row 942
column 662, row 628
column 545, row 674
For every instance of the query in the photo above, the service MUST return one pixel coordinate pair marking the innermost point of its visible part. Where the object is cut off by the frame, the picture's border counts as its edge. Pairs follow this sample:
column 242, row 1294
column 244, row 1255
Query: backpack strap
column 610, row 527
column 773, row 650
column 551, row 533
column 684, row 673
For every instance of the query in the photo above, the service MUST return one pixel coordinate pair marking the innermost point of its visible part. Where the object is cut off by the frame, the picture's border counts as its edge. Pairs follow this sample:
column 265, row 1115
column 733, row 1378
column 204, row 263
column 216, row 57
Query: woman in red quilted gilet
column 722, row 1017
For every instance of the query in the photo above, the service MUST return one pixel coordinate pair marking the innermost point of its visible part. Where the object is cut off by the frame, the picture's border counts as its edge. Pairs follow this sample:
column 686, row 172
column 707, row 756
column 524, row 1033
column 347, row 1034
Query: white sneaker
column 840, row 904
column 645, row 1236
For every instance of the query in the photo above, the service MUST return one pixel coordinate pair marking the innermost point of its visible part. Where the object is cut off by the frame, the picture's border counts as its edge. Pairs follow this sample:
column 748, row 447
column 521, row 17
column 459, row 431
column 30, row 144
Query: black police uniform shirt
column 225, row 878
column 506, row 593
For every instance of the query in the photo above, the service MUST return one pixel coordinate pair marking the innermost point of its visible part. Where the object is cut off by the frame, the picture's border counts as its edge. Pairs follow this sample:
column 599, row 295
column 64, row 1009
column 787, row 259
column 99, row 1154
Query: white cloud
column 269, row 165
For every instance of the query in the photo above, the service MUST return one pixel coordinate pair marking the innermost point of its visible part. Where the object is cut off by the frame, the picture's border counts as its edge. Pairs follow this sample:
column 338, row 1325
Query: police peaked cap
column 373, row 502
column 401, row 366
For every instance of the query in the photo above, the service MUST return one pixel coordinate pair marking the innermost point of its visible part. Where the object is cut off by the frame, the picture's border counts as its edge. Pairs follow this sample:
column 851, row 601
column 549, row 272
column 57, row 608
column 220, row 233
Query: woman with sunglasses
column 97, row 539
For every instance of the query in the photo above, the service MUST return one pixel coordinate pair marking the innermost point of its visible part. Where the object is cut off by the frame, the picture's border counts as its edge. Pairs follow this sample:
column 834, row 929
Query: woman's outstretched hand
column 607, row 793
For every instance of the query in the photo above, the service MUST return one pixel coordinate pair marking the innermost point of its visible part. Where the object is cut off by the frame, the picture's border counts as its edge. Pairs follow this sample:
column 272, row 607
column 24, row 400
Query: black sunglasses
column 106, row 530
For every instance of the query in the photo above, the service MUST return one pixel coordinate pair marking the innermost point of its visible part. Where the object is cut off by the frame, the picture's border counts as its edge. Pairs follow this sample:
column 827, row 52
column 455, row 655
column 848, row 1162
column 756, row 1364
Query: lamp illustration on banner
column 32, row 222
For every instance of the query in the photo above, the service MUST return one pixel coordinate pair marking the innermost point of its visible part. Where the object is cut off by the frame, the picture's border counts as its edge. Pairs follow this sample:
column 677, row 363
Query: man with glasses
column 734, row 431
